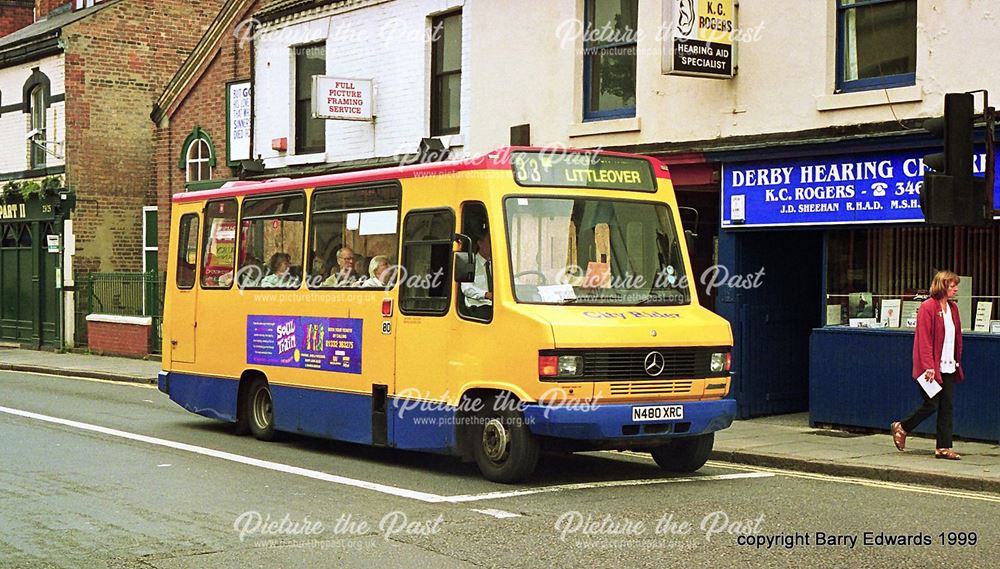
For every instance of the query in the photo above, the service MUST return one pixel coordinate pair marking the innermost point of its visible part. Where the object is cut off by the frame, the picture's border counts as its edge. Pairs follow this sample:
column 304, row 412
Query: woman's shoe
column 898, row 435
column 947, row 454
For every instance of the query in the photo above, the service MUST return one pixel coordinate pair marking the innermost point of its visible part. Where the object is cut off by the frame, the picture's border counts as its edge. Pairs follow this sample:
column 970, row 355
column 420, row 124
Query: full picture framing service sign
column 699, row 38
column 343, row 98
column 829, row 190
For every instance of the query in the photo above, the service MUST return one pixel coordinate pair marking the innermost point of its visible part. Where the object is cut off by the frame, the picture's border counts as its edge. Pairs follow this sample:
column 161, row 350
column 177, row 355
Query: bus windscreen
column 583, row 170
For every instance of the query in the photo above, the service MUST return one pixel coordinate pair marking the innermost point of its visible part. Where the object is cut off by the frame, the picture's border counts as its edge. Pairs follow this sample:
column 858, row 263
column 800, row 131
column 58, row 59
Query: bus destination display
column 583, row 170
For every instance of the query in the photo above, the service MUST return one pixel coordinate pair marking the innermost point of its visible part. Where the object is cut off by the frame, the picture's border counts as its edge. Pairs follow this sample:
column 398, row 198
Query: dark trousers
column 942, row 403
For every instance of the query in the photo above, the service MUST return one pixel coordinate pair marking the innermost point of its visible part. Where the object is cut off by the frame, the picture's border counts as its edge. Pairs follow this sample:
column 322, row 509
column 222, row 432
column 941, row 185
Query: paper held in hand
column 931, row 388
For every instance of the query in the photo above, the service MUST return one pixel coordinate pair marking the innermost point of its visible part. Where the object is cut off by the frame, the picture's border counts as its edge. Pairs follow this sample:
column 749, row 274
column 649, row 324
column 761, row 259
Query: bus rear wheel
column 260, row 410
column 685, row 454
column 503, row 446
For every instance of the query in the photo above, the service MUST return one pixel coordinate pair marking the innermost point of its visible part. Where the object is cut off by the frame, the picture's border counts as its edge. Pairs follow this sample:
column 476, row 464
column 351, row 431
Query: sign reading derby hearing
column 343, row 99
column 850, row 188
column 699, row 38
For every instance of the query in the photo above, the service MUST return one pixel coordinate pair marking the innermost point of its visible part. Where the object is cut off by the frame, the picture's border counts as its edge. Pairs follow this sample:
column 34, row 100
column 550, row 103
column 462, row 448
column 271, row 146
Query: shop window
column 272, row 231
column 219, row 254
column 427, row 252
column 310, row 133
column 187, row 251
column 197, row 156
column 354, row 238
column 609, row 58
column 878, row 277
column 446, row 86
column 876, row 44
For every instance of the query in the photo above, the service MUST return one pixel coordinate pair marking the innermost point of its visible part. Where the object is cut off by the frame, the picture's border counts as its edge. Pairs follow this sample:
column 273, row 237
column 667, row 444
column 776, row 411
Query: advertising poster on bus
column 327, row 344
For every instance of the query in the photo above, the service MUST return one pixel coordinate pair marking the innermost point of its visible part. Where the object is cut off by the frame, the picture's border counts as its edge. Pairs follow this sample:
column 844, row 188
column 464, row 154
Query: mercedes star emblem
column 654, row 364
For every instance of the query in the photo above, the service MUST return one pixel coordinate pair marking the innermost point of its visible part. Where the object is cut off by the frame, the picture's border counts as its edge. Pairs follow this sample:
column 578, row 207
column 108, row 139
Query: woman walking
column 937, row 351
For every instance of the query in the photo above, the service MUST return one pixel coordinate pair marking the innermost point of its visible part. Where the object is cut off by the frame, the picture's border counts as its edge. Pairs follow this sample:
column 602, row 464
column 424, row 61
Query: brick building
column 15, row 14
column 202, row 117
column 76, row 85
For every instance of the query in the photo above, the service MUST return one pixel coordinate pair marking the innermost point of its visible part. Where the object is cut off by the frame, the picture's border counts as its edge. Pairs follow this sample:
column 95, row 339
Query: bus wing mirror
column 692, row 239
column 465, row 263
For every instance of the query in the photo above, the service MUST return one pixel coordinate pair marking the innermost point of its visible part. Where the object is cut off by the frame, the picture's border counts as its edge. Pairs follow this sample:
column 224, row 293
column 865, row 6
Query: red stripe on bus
column 496, row 160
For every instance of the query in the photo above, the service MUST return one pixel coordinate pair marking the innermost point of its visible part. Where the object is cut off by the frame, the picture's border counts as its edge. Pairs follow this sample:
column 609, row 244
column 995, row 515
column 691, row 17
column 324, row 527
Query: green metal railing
column 122, row 294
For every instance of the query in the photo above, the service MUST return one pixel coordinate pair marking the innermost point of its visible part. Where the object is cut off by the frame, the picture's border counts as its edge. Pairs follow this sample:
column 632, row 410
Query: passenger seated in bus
column 345, row 276
column 280, row 272
column 379, row 272
column 478, row 295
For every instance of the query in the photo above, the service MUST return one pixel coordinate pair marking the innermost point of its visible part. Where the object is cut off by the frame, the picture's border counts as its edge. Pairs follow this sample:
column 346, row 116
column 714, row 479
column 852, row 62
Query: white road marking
column 499, row 514
column 364, row 484
column 607, row 484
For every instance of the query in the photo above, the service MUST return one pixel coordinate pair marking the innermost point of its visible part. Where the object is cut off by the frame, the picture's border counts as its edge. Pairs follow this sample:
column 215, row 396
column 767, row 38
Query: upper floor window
column 198, row 156
column 81, row 4
column 310, row 133
column 609, row 50
column 37, row 139
column 446, row 81
column 877, row 44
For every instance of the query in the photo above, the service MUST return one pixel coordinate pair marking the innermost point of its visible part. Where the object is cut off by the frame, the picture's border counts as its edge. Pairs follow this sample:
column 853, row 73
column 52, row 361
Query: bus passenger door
column 182, row 315
column 423, row 333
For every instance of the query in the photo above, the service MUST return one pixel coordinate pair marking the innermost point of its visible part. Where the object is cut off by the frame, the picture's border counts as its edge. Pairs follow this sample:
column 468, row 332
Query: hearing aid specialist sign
column 849, row 188
column 328, row 344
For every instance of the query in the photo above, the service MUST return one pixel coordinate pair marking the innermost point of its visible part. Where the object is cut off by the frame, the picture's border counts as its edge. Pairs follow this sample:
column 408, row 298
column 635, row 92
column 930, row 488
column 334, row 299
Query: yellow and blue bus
column 487, row 308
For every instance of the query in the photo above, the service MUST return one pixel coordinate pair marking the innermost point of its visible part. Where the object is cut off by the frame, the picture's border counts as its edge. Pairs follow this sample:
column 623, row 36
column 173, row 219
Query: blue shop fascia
column 834, row 225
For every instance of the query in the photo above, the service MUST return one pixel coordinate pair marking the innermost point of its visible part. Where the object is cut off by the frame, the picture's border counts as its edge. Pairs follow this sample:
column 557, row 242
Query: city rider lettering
column 592, row 314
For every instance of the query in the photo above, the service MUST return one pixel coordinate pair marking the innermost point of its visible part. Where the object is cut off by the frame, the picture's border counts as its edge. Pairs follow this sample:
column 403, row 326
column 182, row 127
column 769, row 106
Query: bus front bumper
column 603, row 422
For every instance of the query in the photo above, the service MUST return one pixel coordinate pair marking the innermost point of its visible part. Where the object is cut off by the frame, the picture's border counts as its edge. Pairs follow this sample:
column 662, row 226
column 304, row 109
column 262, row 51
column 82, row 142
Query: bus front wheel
column 260, row 409
column 685, row 454
column 503, row 446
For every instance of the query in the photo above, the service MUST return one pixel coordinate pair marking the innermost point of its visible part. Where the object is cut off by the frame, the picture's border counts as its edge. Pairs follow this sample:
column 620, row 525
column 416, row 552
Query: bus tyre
column 504, row 448
column 685, row 454
column 260, row 410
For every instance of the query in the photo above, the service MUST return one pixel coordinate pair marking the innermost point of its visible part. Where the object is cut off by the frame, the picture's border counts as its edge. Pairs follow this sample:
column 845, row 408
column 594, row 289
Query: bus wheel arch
column 494, row 433
column 255, row 409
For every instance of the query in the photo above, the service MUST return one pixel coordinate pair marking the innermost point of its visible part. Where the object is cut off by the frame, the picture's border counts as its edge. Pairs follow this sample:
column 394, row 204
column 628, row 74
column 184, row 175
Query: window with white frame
column 199, row 161
column 37, row 139
column 876, row 44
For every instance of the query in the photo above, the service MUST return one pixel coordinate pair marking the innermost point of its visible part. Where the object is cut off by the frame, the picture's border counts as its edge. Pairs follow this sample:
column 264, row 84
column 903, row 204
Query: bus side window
column 272, row 232
column 476, row 299
column 427, row 253
column 219, row 256
column 354, row 237
column 187, row 252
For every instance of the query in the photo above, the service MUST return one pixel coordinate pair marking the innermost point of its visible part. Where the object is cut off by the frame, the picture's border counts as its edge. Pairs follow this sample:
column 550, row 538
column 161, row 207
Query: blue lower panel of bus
column 604, row 422
column 330, row 414
column 212, row 397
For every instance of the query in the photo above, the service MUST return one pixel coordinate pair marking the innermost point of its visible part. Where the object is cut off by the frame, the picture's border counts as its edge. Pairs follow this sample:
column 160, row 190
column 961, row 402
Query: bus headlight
column 570, row 366
column 560, row 366
column 721, row 361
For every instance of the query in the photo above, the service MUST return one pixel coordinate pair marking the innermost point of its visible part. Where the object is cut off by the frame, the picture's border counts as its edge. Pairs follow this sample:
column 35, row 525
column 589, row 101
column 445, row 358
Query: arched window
column 38, row 108
column 197, row 156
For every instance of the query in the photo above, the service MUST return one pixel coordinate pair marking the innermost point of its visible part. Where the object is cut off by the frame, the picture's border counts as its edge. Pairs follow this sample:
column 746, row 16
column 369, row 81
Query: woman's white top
column 948, row 349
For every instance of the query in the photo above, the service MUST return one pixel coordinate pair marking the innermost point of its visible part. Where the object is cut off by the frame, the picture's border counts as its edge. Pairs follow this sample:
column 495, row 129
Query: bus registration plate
column 658, row 413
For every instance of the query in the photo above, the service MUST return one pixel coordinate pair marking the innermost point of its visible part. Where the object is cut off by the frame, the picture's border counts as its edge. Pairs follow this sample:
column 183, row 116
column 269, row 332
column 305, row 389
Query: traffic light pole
column 989, row 169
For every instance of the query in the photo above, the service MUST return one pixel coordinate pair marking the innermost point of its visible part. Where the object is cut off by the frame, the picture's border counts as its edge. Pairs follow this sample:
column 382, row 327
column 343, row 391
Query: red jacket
column 929, row 339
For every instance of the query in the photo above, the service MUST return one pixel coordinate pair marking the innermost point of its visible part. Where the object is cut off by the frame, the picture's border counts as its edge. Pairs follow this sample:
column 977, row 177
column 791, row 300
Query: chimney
column 15, row 14
column 43, row 7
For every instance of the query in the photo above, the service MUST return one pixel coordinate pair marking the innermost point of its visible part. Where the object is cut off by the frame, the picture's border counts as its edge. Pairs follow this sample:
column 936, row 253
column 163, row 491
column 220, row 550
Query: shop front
column 837, row 233
column 29, row 300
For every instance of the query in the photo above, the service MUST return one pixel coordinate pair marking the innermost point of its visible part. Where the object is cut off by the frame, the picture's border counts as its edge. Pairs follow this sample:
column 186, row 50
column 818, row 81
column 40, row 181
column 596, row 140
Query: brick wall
column 109, row 338
column 117, row 63
column 15, row 14
column 46, row 6
column 203, row 106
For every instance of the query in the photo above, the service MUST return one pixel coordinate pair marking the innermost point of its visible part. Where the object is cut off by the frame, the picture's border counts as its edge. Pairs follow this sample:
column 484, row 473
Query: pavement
column 785, row 441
